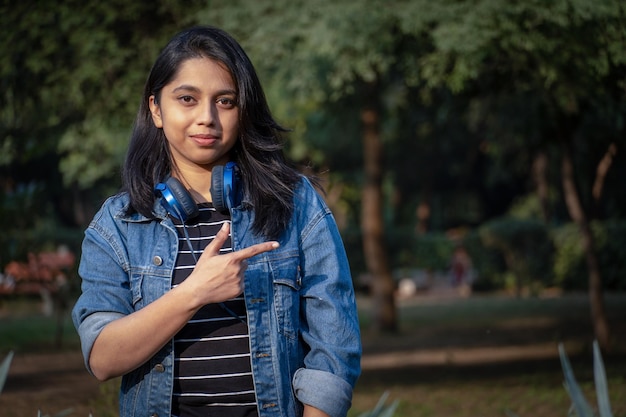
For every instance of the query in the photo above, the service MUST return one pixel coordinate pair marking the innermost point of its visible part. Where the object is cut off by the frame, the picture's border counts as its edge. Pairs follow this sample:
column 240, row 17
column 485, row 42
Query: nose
column 208, row 114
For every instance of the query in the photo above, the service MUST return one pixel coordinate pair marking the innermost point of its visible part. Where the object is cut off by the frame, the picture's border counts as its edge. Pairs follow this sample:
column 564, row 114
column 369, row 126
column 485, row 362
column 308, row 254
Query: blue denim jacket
column 304, row 333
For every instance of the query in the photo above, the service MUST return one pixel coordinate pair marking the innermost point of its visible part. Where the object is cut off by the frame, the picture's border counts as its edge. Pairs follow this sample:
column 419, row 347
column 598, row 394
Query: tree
column 441, row 106
column 568, row 55
column 326, row 52
column 71, row 80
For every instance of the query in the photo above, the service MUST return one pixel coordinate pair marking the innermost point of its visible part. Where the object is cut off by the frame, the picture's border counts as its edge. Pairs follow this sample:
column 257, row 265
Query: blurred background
column 472, row 153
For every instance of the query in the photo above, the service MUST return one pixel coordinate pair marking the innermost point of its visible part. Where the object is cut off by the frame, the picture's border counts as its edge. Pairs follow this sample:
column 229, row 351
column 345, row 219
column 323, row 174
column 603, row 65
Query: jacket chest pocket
column 146, row 287
column 286, row 283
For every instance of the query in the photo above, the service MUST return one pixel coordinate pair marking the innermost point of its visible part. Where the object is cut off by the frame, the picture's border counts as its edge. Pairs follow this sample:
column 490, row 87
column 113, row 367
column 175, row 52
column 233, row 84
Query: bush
column 570, row 269
column 509, row 253
column 488, row 263
column 526, row 248
column 431, row 251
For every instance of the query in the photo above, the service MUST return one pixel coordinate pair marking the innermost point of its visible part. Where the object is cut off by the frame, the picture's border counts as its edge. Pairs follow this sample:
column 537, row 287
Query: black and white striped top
column 212, row 374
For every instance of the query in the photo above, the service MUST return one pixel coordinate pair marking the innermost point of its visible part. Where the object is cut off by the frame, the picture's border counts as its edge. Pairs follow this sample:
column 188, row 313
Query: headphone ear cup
column 176, row 200
column 217, row 189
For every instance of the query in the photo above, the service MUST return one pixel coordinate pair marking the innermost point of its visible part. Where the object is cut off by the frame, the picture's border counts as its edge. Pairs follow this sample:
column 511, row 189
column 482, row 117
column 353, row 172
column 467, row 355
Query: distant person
column 216, row 282
column 461, row 270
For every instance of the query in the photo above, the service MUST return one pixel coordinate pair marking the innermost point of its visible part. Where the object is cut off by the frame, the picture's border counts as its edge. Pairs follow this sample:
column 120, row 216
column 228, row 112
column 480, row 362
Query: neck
column 198, row 182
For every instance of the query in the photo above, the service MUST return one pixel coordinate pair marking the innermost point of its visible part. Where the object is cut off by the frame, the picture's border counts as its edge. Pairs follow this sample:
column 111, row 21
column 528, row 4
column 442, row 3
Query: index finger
column 254, row 250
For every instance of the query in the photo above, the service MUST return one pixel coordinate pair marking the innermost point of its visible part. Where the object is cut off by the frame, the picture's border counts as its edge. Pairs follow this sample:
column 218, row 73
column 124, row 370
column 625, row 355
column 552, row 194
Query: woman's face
column 198, row 113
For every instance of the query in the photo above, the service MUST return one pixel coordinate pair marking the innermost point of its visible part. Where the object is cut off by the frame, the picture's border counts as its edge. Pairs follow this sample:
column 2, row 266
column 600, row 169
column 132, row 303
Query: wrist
column 187, row 296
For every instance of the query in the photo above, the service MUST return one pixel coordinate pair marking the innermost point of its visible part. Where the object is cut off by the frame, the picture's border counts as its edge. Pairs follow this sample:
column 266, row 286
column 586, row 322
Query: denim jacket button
column 157, row 260
column 159, row 367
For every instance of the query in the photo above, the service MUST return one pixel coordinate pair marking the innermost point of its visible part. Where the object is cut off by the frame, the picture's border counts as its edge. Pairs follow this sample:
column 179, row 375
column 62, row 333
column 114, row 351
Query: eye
column 226, row 102
column 186, row 99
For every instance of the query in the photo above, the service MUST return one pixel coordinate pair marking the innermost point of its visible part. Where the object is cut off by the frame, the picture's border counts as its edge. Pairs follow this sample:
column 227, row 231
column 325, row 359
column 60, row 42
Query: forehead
column 202, row 73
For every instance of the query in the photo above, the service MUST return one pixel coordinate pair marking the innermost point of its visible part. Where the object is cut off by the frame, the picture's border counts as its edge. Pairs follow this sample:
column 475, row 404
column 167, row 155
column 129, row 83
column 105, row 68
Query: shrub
column 526, row 247
column 488, row 263
column 4, row 369
column 570, row 269
column 580, row 407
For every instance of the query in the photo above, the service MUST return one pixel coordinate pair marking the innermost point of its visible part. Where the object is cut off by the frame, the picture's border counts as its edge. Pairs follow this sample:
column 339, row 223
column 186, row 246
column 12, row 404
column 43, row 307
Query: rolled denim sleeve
column 329, row 321
column 323, row 390
column 104, row 288
column 89, row 329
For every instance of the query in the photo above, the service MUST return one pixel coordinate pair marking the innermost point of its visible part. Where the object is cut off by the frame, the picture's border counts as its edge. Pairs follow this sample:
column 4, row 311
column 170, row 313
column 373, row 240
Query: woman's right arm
column 127, row 342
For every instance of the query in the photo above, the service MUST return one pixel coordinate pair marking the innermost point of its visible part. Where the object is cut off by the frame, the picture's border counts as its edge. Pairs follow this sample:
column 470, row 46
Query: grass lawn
column 478, row 356
column 488, row 356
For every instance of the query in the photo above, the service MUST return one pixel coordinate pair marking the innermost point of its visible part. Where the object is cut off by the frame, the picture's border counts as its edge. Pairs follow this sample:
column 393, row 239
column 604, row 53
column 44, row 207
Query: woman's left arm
column 329, row 321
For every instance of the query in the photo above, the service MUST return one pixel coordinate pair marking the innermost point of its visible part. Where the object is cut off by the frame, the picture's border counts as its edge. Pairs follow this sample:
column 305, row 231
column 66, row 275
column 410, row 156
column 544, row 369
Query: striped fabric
column 212, row 374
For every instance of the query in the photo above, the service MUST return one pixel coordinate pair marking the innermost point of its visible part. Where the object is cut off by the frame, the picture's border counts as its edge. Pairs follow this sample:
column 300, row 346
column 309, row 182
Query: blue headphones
column 225, row 192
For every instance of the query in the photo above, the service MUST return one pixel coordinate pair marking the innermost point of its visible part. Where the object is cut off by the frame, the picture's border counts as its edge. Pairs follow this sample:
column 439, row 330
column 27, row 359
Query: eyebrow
column 191, row 88
column 185, row 87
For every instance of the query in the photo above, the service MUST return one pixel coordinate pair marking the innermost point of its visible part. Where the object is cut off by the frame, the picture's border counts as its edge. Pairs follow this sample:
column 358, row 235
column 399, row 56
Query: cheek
column 174, row 124
column 234, row 125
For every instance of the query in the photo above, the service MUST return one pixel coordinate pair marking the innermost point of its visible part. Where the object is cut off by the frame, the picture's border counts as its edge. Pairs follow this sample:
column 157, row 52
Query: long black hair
column 268, row 178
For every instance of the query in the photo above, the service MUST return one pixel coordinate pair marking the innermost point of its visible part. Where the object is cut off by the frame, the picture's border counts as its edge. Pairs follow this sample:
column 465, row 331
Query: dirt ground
column 48, row 383
column 52, row 383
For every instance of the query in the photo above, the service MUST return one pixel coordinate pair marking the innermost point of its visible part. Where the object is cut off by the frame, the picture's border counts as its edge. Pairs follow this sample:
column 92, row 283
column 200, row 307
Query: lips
column 205, row 139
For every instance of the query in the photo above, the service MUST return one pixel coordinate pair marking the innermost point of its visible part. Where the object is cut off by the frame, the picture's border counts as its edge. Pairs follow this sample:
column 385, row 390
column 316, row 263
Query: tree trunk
column 540, row 177
column 601, row 172
column 575, row 209
column 385, row 319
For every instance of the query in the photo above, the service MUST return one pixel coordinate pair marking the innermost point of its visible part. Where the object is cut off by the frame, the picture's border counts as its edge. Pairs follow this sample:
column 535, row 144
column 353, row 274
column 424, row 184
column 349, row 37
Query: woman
column 216, row 282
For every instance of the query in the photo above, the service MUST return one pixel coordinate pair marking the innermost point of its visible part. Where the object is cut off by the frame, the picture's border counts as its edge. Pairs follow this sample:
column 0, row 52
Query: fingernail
column 275, row 245
column 224, row 226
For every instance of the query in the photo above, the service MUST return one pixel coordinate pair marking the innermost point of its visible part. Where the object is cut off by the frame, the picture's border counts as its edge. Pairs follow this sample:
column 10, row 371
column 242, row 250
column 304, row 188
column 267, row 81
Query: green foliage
column 73, row 77
column 468, row 94
column 29, row 225
column 4, row 369
column 431, row 251
column 19, row 213
column 569, row 260
column 488, row 262
column 512, row 253
column 525, row 246
column 580, row 405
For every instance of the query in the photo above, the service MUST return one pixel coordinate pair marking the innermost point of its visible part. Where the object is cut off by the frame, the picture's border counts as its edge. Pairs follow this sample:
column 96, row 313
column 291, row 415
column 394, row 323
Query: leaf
column 4, row 369
column 382, row 410
column 582, row 407
column 602, row 390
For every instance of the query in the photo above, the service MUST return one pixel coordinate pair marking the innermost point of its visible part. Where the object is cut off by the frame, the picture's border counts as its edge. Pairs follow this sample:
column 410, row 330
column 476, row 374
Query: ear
column 155, row 110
